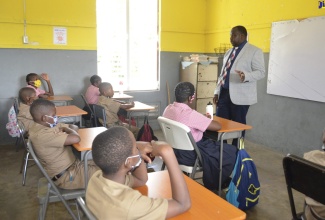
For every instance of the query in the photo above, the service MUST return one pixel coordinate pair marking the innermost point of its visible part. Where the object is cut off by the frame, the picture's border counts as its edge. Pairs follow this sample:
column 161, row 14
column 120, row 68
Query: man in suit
column 242, row 66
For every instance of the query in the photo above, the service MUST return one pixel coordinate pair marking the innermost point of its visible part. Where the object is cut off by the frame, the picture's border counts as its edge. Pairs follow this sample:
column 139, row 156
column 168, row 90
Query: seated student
column 33, row 81
column 92, row 93
column 315, row 210
column 51, row 141
column 112, row 107
column 198, row 124
column 27, row 96
column 121, row 160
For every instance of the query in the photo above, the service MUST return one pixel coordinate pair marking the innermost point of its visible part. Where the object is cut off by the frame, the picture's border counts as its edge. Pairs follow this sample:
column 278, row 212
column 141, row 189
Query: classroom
column 281, row 124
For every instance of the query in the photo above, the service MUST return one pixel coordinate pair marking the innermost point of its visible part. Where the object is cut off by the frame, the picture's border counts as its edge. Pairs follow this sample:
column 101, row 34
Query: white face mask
column 55, row 121
column 137, row 164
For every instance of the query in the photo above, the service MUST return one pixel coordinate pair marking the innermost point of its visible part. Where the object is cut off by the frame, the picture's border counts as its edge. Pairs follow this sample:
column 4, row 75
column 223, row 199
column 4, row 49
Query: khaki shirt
column 316, row 156
column 49, row 146
column 107, row 199
column 111, row 109
column 24, row 116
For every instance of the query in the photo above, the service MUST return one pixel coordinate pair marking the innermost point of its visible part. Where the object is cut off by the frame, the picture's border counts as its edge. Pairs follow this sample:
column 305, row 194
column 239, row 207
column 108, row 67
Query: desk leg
column 86, row 167
column 80, row 121
column 221, row 156
column 221, row 161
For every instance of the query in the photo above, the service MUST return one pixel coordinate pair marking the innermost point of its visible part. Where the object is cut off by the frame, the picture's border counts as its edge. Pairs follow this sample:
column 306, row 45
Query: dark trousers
column 227, row 109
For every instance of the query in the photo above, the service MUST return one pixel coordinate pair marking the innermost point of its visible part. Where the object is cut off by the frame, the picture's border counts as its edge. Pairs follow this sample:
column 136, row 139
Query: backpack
column 244, row 188
column 12, row 126
column 146, row 133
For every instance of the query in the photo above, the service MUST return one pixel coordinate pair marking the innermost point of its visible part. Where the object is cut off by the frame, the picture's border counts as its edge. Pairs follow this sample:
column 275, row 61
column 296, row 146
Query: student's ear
column 44, row 118
column 127, row 165
column 28, row 100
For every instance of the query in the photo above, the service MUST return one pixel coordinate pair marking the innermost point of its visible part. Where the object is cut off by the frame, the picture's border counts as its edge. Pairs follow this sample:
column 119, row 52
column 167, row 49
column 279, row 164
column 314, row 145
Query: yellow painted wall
column 186, row 26
column 77, row 16
column 256, row 15
column 183, row 25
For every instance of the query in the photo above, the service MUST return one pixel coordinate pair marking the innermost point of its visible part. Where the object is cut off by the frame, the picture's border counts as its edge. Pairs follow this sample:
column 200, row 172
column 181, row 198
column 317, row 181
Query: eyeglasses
column 137, row 164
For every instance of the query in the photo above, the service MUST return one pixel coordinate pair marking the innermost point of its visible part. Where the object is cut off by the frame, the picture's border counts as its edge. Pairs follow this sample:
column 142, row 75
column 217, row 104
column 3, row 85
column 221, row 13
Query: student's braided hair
column 183, row 90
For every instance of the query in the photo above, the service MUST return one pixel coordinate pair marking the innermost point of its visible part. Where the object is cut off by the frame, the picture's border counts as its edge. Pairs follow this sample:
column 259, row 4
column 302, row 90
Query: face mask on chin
column 55, row 121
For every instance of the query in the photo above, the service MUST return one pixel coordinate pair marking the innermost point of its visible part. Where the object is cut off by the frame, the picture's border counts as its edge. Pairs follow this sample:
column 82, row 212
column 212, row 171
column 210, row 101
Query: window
column 128, row 43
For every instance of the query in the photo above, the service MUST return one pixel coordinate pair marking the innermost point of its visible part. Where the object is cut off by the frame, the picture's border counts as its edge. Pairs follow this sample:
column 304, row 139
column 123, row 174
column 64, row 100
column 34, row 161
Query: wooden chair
column 305, row 177
column 179, row 136
column 49, row 192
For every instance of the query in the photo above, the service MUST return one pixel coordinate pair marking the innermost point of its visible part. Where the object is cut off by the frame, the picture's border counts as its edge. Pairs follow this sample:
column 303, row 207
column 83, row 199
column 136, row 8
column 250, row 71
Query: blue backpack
column 244, row 188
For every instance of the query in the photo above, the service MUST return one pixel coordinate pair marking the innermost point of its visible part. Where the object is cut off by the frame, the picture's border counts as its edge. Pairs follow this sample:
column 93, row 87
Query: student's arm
column 73, row 136
column 181, row 200
column 127, row 106
column 214, row 126
column 140, row 174
column 49, row 85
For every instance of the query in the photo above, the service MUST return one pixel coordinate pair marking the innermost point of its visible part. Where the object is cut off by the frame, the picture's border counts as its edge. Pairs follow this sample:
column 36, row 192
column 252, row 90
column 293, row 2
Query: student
column 313, row 209
column 33, row 81
column 198, row 124
column 51, row 141
column 112, row 107
column 92, row 93
column 121, row 160
column 27, row 96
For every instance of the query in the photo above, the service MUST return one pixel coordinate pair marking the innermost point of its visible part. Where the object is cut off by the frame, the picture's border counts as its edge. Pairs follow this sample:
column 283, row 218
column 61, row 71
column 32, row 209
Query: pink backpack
column 11, row 126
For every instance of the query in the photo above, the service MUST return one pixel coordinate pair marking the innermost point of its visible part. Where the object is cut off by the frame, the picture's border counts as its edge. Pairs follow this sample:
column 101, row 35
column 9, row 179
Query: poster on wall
column 60, row 35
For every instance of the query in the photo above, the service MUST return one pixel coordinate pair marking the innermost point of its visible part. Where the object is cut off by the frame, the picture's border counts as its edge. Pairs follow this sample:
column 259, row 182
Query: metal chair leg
column 25, row 168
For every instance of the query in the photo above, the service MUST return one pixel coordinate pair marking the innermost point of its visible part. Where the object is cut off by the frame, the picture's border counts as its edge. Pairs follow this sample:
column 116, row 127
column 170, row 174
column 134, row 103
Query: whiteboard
column 297, row 59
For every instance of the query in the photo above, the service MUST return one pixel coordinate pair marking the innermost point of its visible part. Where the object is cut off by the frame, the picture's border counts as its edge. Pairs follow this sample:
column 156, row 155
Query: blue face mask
column 55, row 121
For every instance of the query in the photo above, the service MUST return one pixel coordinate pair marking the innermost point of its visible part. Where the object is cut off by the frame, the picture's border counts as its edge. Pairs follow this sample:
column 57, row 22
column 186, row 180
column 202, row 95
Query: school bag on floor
column 244, row 188
column 146, row 132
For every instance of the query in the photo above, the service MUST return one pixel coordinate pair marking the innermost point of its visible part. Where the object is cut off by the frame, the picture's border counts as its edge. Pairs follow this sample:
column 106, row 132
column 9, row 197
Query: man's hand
column 215, row 99
column 241, row 75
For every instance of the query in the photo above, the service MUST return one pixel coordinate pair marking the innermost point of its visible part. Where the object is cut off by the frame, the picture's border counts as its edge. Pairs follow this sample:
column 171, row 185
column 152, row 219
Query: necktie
column 227, row 66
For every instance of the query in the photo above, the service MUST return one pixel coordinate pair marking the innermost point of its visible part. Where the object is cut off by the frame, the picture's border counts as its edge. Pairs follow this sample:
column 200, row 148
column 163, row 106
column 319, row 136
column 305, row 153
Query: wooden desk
column 60, row 100
column 87, row 136
column 70, row 113
column 205, row 204
column 139, row 107
column 229, row 130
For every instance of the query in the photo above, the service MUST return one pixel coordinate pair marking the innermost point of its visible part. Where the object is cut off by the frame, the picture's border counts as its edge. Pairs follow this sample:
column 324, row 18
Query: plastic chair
column 48, row 192
column 179, row 136
column 24, row 164
column 85, row 209
column 88, row 108
column 99, row 113
column 305, row 177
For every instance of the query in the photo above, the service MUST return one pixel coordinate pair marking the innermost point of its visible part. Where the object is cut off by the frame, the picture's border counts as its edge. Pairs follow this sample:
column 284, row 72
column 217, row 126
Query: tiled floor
column 20, row 202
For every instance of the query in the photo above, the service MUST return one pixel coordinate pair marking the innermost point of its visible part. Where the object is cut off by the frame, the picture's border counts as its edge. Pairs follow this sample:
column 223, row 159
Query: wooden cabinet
column 204, row 78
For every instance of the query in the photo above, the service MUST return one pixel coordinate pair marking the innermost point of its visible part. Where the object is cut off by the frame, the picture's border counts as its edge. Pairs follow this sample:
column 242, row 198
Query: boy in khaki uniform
column 112, row 107
column 27, row 96
column 51, row 142
column 121, row 160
